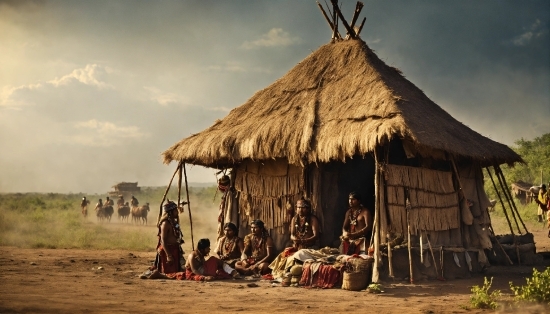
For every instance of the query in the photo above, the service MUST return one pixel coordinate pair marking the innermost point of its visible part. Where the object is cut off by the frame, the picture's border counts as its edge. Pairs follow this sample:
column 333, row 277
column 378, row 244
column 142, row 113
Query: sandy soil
column 91, row 281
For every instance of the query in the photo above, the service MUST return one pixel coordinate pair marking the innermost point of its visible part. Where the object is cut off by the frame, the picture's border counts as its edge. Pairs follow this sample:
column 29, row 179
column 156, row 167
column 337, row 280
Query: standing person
column 258, row 252
column 169, row 253
column 84, row 206
column 230, row 247
column 304, row 228
column 199, row 268
column 357, row 227
column 542, row 201
column 229, row 206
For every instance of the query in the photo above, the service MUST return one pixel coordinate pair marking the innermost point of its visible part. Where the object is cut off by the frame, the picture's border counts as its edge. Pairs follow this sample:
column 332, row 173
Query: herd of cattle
column 138, row 213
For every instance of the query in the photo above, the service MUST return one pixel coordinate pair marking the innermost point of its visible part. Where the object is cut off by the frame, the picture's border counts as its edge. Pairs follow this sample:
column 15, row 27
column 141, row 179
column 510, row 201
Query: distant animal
column 123, row 212
column 108, row 211
column 100, row 213
column 139, row 214
column 534, row 192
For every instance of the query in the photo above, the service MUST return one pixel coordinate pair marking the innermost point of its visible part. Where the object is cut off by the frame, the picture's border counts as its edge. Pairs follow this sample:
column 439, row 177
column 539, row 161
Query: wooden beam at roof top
column 361, row 26
column 351, row 32
column 328, row 20
column 358, row 8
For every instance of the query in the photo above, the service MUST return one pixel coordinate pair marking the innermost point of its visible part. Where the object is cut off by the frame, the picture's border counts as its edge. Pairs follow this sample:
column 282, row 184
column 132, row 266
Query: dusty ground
column 89, row 281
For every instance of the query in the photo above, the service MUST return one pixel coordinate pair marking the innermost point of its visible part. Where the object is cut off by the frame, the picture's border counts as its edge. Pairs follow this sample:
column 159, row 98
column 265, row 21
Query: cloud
column 88, row 76
column 97, row 133
column 164, row 98
column 7, row 93
column 228, row 67
column 531, row 33
column 275, row 37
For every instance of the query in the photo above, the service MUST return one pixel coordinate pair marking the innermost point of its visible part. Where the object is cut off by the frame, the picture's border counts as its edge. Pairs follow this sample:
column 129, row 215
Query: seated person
column 258, row 252
column 357, row 228
column 304, row 228
column 230, row 247
column 199, row 268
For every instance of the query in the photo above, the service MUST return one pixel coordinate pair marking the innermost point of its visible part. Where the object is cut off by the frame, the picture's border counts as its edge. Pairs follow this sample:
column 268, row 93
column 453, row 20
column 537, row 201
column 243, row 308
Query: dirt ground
column 106, row 281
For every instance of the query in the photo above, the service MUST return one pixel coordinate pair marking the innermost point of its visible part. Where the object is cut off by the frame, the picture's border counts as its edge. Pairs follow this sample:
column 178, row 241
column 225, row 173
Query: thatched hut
column 342, row 120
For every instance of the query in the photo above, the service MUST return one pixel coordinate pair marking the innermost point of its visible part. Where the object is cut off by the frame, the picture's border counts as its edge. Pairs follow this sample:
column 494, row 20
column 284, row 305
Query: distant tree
column 536, row 154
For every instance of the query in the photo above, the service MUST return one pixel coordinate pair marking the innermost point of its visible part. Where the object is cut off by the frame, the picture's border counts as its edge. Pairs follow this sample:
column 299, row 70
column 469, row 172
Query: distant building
column 126, row 189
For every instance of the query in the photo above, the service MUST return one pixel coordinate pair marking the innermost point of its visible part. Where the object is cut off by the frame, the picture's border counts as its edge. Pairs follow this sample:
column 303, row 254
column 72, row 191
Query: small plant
column 537, row 288
column 481, row 298
column 374, row 288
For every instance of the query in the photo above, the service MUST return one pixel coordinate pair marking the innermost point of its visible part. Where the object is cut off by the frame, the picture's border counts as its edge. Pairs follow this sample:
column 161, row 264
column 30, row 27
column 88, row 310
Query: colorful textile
column 163, row 265
column 353, row 246
column 318, row 275
column 210, row 267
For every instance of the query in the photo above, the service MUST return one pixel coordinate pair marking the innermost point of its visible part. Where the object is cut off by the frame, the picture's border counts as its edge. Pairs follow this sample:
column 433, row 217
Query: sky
column 92, row 92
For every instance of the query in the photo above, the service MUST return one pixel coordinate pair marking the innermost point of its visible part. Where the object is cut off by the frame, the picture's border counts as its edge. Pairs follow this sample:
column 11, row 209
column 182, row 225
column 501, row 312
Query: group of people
column 252, row 255
column 543, row 208
column 108, row 202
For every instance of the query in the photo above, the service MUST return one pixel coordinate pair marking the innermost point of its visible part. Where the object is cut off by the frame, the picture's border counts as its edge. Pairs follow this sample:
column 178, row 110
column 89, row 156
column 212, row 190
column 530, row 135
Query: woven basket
column 358, row 274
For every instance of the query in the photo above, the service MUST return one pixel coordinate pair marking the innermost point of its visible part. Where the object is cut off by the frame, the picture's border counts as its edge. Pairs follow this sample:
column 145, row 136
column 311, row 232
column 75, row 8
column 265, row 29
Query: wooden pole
column 166, row 192
column 505, row 191
column 189, row 208
column 361, row 26
column 433, row 257
column 179, row 186
column 500, row 199
column 409, row 245
column 512, row 199
column 351, row 31
column 358, row 8
column 376, row 229
column 390, row 263
column 327, row 18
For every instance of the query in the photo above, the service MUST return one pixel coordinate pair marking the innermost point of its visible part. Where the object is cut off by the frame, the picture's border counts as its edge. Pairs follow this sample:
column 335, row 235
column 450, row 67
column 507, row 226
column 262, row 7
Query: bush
column 537, row 288
column 481, row 299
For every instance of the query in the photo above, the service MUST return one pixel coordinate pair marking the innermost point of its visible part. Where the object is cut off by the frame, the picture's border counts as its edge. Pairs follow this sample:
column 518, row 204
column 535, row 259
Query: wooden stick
column 358, row 8
column 166, row 192
column 327, row 19
column 501, row 202
column 361, row 26
column 441, row 258
column 512, row 199
column 433, row 258
column 376, row 227
column 179, row 187
column 189, row 208
column 409, row 245
column 351, row 31
column 390, row 263
column 505, row 191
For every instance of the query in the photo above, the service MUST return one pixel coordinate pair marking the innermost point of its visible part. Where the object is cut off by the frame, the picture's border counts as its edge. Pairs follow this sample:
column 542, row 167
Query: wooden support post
column 189, row 208
column 409, row 244
column 376, row 227
column 500, row 199
column 505, row 191
column 327, row 19
column 361, row 26
column 179, row 186
column 512, row 200
column 358, row 8
column 166, row 192
column 351, row 32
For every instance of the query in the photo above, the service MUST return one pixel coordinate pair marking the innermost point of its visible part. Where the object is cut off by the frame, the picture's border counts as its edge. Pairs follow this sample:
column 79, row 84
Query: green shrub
column 537, row 288
column 481, row 298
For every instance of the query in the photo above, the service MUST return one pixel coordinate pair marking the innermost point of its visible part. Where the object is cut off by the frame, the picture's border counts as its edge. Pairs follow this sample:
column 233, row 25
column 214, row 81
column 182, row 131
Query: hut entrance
column 337, row 180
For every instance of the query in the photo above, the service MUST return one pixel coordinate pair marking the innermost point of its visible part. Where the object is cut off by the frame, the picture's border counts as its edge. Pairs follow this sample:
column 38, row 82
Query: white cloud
column 374, row 41
column 164, row 98
column 6, row 99
column 275, row 37
column 97, row 133
column 532, row 32
column 88, row 76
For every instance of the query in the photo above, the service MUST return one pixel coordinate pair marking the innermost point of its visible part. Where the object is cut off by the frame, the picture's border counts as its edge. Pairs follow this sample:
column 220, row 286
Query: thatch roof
column 340, row 101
